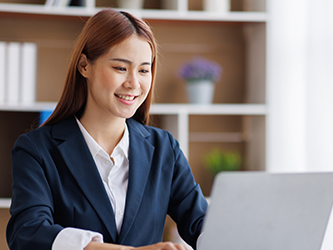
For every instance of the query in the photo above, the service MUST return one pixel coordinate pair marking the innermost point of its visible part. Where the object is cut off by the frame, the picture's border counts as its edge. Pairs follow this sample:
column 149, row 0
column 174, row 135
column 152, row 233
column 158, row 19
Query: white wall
column 300, row 85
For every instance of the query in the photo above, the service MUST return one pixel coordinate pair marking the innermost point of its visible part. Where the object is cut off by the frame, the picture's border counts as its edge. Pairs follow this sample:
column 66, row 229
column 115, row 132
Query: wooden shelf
column 163, row 109
column 34, row 107
column 213, row 109
column 232, row 16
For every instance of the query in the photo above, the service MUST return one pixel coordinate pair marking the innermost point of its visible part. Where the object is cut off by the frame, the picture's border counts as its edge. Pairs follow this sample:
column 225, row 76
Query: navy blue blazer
column 56, row 184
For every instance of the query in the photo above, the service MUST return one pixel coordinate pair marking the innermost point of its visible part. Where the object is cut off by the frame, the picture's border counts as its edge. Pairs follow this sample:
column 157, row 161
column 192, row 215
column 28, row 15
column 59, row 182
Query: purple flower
column 200, row 68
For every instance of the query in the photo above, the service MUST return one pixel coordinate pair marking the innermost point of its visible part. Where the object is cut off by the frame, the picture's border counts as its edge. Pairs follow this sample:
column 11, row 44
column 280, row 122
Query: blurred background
column 271, row 104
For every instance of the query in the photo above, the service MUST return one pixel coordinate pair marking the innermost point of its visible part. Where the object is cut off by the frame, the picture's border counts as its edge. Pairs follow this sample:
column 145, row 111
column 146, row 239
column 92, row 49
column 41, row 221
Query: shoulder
column 41, row 135
column 36, row 134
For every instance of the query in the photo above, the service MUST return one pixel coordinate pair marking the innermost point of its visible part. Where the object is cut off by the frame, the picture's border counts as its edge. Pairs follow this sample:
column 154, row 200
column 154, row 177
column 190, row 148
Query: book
column 28, row 73
column 44, row 115
column 62, row 3
column 57, row 3
column 49, row 3
column 13, row 72
column 78, row 3
column 2, row 71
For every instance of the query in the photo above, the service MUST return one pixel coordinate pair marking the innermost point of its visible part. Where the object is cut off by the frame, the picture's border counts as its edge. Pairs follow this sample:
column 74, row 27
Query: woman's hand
column 158, row 246
column 163, row 246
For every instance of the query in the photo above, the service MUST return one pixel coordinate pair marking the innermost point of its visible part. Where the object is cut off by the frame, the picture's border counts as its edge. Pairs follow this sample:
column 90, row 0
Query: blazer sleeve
column 31, row 225
column 187, row 206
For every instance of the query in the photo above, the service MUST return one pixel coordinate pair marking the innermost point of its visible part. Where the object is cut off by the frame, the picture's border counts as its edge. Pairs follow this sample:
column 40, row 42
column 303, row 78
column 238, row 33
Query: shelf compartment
column 12, row 125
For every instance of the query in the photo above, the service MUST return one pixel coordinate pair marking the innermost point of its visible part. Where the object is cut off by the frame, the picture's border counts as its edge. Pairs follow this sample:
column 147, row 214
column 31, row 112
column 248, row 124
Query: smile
column 126, row 97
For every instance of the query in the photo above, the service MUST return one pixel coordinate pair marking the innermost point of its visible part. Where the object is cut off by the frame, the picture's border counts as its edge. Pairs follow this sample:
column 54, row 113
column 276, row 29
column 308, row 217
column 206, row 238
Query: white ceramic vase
column 221, row 6
column 200, row 91
column 130, row 4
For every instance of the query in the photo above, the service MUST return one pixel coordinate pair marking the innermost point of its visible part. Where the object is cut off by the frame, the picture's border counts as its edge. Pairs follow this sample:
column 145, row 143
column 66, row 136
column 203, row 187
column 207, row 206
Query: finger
column 174, row 246
column 170, row 246
column 181, row 247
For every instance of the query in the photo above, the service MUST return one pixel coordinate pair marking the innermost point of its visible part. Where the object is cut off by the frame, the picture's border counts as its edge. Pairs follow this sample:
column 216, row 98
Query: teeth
column 127, row 98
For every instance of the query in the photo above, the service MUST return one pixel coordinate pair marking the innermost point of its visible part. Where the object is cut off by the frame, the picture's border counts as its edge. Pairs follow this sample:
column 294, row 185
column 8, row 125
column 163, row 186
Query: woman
column 94, row 175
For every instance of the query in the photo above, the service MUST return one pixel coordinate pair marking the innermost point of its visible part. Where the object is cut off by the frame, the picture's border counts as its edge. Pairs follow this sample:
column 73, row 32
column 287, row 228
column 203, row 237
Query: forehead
column 132, row 47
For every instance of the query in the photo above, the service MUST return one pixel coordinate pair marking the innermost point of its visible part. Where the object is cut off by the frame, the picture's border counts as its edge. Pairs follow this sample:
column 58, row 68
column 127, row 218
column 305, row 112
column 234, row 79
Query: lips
column 126, row 97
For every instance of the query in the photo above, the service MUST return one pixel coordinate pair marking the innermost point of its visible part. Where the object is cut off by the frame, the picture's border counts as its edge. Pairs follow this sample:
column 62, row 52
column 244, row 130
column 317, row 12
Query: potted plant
column 217, row 160
column 200, row 76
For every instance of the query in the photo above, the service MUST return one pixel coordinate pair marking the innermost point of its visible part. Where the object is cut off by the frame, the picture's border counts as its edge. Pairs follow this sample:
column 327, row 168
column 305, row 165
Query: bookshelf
column 237, row 40
column 236, row 16
column 238, row 44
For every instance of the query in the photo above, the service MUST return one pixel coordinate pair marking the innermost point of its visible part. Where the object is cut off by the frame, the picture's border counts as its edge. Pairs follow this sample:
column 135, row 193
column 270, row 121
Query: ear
column 83, row 65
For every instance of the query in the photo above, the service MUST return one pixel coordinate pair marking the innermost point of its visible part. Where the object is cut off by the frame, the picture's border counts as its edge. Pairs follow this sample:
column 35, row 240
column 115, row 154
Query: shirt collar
column 95, row 148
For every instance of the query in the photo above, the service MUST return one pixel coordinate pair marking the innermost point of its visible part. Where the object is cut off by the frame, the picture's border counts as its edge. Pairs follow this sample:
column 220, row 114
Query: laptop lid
column 262, row 211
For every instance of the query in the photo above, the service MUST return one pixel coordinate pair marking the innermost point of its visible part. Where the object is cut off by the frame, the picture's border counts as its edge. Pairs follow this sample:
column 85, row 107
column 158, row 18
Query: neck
column 106, row 131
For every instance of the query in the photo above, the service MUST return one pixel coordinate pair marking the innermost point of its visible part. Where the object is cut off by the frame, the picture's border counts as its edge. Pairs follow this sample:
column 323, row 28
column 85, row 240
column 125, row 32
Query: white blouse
column 113, row 170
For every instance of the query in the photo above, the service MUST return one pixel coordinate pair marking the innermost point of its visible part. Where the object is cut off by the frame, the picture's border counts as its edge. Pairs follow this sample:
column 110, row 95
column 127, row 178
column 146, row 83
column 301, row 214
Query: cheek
column 108, row 81
column 147, row 85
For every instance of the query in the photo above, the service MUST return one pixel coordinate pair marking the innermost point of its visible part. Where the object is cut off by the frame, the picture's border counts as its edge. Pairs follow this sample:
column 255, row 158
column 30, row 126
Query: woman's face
column 119, row 81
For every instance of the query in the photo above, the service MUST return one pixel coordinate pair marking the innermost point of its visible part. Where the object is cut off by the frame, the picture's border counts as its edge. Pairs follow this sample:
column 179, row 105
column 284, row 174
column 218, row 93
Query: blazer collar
column 77, row 156
column 140, row 157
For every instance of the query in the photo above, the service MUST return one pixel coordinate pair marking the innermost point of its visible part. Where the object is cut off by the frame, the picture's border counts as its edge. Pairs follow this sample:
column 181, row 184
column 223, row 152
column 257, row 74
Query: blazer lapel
column 140, row 156
column 77, row 156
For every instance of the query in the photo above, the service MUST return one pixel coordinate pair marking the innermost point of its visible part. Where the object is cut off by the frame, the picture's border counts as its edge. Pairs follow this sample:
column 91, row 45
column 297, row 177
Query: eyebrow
column 128, row 61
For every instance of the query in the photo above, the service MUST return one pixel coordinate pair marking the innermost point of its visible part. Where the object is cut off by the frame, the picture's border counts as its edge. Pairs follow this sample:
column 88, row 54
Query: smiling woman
column 118, row 83
column 103, row 31
column 95, row 175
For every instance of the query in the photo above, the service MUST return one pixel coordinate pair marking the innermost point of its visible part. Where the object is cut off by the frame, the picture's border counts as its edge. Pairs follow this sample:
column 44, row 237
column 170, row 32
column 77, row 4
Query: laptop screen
column 262, row 211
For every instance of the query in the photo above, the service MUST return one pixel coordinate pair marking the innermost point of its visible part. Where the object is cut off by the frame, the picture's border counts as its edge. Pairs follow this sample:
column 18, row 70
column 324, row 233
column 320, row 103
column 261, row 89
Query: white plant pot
column 221, row 6
column 200, row 91
column 130, row 4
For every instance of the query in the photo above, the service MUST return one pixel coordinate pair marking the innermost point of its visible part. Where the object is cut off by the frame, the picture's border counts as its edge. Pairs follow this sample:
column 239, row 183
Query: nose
column 132, row 81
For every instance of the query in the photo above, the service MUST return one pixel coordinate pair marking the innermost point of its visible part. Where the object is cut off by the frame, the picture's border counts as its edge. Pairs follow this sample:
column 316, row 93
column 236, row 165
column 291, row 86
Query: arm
column 187, row 204
column 31, row 225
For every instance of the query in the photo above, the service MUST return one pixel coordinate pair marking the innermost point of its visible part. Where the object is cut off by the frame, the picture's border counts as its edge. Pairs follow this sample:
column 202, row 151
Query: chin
column 127, row 116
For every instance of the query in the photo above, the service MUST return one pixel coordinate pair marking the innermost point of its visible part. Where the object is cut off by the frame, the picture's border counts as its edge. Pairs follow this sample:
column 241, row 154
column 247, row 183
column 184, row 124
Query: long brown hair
column 105, row 29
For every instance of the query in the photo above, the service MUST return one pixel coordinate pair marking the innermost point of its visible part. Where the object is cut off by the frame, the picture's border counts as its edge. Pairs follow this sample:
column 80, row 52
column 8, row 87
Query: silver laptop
column 262, row 211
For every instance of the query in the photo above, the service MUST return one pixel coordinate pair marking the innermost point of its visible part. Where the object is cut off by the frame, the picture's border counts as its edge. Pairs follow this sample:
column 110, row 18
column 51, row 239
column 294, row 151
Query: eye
column 120, row 68
column 144, row 71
